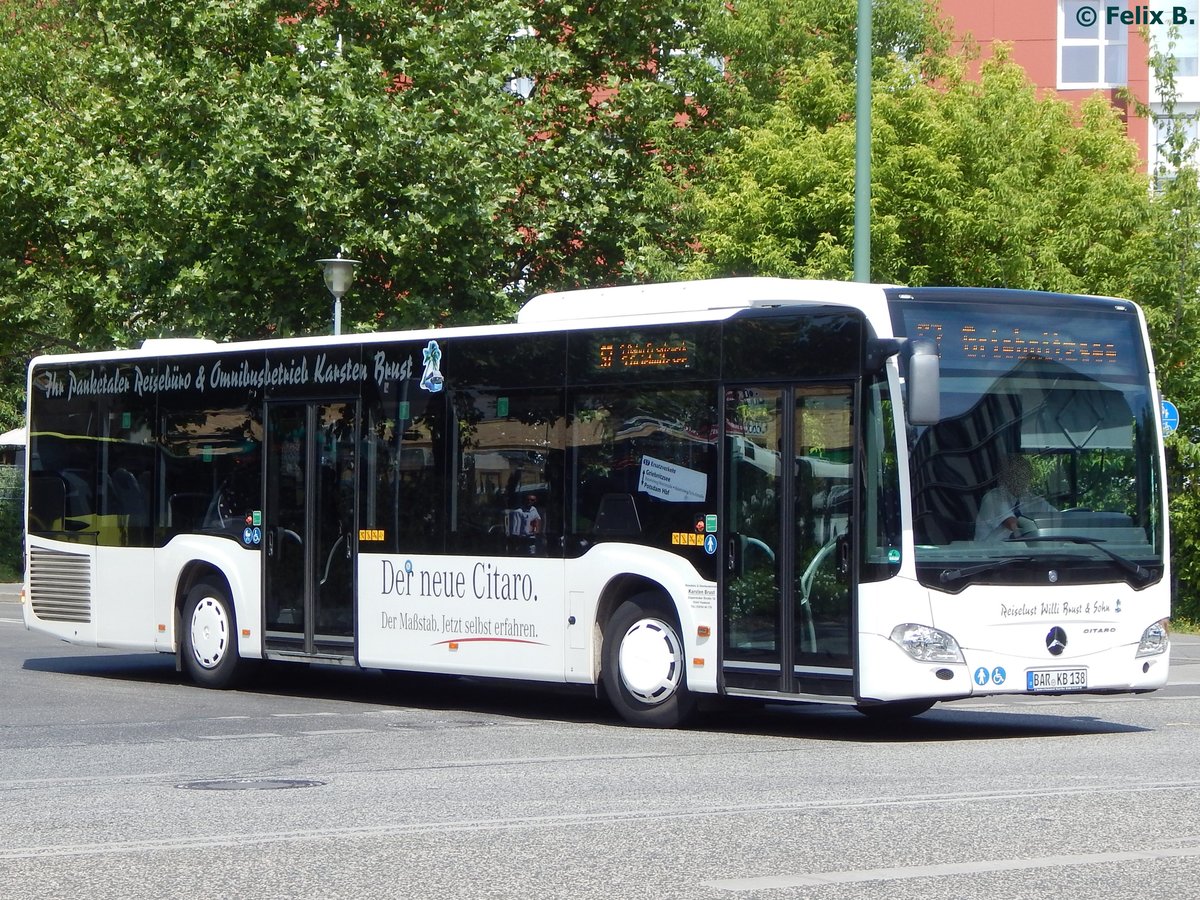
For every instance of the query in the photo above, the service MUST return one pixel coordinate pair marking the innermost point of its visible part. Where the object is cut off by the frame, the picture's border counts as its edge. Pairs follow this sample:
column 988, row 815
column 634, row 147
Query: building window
column 1092, row 50
column 1185, row 122
column 1181, row 41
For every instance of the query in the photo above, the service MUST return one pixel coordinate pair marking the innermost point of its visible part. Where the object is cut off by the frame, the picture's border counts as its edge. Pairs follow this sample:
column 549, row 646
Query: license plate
column 1056, row 680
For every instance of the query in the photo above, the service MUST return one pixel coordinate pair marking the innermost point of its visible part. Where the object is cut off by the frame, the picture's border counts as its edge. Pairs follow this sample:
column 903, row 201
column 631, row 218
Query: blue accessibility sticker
column 982, row 675
column 998, row 675
column 710, row 544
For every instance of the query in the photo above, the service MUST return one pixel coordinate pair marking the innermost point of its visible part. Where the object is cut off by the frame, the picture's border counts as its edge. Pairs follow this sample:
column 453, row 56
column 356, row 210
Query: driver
column 1006, row 508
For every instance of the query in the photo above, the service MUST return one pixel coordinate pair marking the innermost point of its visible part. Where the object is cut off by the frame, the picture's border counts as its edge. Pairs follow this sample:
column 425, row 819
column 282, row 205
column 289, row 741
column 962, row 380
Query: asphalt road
column 119, row 779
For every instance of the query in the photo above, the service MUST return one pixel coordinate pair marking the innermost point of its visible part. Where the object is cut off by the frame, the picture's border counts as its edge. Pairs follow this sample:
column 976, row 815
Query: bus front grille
column 60, row 585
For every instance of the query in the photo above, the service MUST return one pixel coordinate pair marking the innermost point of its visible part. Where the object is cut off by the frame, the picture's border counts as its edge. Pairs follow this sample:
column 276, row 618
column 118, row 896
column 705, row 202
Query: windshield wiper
column 1125, row 563
column 948, row 575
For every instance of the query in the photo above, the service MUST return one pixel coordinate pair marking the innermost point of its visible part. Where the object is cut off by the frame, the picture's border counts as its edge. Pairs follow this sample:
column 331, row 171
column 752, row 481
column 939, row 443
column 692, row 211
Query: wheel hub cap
column 651, row 661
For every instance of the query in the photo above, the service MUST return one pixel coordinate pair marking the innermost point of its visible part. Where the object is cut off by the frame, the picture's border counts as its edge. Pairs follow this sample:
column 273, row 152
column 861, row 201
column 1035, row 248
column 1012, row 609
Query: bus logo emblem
column 431, row 378
column 1056, row 641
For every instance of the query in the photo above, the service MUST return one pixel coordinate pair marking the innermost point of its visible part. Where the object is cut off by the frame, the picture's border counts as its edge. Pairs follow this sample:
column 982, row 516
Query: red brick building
column 1077, row 48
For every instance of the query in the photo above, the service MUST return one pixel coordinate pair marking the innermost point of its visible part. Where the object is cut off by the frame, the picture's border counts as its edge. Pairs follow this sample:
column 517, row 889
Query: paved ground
column 339, row 783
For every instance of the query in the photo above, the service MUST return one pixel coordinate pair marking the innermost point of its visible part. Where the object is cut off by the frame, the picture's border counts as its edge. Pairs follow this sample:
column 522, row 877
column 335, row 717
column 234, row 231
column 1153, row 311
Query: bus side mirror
column 924, row 392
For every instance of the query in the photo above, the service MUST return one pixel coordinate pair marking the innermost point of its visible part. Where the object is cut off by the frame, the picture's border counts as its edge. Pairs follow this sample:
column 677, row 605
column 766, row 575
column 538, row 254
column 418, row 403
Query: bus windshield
column 1043, row 467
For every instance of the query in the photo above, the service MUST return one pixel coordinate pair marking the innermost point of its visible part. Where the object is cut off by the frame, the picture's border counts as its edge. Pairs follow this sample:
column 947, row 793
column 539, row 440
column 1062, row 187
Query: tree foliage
column 178, row 170
column 973, row 182
column 1167, row 281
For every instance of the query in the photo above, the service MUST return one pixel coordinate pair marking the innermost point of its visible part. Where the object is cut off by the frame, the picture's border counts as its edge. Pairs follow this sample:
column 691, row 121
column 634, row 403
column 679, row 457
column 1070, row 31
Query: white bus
column 753, row 487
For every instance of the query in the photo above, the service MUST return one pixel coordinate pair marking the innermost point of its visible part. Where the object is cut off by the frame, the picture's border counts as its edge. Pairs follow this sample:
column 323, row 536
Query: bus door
column 787, row 584
column 309, row 527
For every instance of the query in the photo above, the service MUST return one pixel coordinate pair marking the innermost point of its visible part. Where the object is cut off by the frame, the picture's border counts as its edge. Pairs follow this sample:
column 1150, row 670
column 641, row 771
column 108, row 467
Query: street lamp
column 339, row 275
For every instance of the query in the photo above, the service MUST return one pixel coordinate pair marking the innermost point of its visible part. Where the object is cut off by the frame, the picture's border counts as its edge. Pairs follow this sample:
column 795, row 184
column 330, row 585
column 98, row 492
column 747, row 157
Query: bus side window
column 509, row 473
column 617, row 517
column 79, row 493
column 130, row 499
column 185, row 510
column 47, row 502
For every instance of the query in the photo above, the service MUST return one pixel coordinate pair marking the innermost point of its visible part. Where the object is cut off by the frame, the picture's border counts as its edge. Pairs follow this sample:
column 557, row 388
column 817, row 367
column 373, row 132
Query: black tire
column 644, row 666
column 896, row 711
column 209, row 638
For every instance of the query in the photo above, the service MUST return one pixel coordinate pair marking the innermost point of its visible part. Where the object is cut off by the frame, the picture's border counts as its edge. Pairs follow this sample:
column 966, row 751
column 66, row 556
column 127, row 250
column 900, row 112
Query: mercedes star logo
column 1056, row 641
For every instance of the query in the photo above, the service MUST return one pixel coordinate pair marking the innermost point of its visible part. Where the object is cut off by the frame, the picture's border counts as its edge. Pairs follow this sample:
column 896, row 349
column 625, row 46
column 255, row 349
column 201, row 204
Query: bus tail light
column 1155, row 640
column 927, row 644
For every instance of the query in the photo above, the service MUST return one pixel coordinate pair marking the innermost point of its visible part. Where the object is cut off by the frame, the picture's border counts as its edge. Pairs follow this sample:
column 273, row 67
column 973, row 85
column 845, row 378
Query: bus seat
column 47, row 502
column 79, row 495
column 130, row 499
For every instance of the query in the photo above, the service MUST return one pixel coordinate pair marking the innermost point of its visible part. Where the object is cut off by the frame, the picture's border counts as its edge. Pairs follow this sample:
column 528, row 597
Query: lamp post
column 339, row 275
column 862, row 145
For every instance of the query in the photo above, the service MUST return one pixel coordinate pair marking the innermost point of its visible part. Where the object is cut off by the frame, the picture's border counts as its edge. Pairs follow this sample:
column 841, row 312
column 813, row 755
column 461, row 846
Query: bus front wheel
column 209, row 650
column 643, row 666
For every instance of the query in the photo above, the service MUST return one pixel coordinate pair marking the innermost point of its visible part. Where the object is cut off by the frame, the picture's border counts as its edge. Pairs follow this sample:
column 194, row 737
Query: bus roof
column 640, row 300
column 665, row 303
column 644, row 304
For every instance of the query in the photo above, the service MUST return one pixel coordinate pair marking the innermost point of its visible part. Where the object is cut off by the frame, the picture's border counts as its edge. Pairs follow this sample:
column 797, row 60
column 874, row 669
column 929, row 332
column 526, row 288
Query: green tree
column 973, row 182
column 1167, row 282
column 178, row 170
column 767, row 42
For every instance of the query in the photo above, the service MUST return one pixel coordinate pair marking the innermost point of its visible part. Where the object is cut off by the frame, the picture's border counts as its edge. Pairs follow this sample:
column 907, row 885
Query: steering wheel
column 1025, row 528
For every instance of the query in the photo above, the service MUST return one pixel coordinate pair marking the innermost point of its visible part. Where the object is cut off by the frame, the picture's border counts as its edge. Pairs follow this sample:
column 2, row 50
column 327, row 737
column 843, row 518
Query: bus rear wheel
column 643, row 665
column 209, row 650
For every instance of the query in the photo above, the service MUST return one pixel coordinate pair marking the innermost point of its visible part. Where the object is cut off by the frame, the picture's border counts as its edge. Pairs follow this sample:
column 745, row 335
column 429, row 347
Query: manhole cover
column 250, row 784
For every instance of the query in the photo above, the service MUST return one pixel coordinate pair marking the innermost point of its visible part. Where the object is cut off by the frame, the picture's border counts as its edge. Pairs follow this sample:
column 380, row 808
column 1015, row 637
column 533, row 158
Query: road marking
column 340, row 731
column 623, row 818
column 235, row 737
column 303, row 715
column 857, row 876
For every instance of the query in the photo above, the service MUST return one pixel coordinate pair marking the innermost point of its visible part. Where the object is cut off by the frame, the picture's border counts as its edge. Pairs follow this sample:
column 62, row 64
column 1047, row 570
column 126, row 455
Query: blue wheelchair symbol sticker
column 998, row 675
column 982, row 675
column 256, row 537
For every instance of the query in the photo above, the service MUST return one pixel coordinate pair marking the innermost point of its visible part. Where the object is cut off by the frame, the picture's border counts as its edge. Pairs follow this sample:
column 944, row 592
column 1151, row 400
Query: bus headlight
column 1155, row 640
column 927, row 644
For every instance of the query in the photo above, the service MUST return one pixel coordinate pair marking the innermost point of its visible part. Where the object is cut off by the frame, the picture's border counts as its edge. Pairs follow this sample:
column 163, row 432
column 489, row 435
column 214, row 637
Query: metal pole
column 862, row 146
column 337, row 315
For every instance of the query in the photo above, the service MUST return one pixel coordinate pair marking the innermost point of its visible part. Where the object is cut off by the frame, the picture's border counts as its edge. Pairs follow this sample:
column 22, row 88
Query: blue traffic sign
column 1170, row 417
